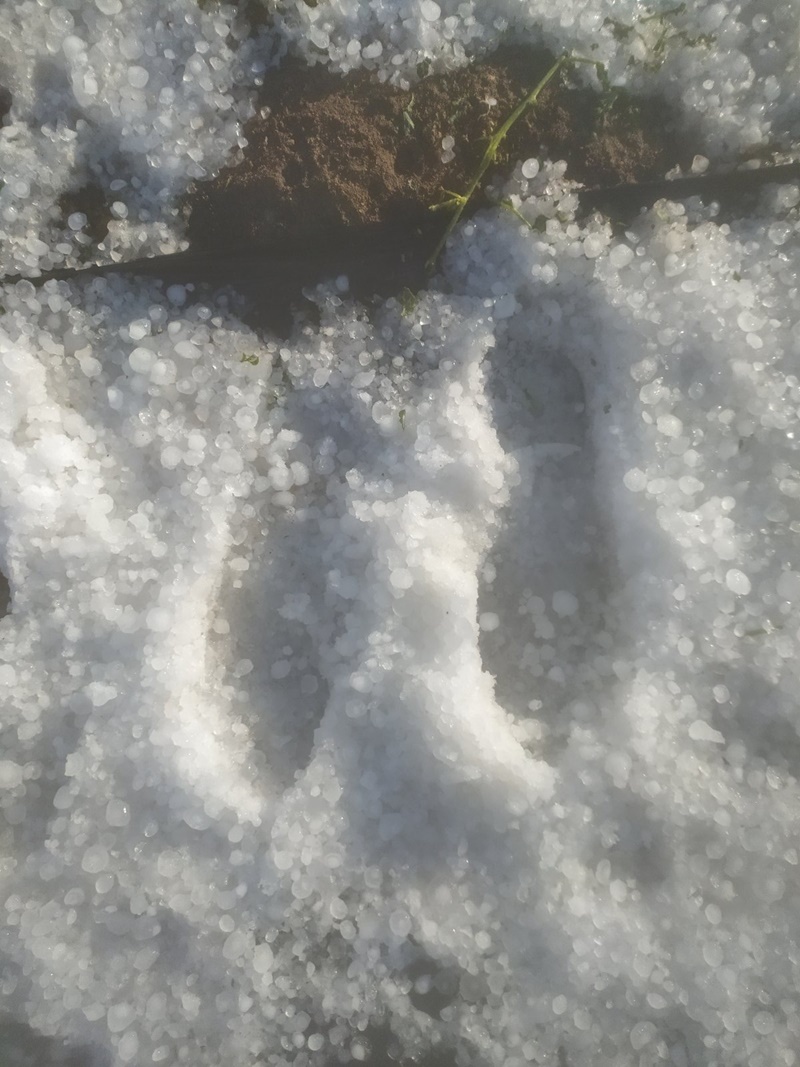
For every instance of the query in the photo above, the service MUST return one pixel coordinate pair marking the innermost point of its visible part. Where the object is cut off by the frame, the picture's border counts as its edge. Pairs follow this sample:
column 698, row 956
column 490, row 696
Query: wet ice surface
column 428, row 679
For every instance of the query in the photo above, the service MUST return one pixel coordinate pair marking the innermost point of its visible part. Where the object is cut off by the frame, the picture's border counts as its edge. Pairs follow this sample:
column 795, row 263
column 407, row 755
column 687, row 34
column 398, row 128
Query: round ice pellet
column 738, row 582
column 138, row 77
column 10, row 774
column 620, row 256
column 400, row 923
column 263, row 959
column 95, row 859
column 119, row 1017
column 564, row 603
column 141, row 360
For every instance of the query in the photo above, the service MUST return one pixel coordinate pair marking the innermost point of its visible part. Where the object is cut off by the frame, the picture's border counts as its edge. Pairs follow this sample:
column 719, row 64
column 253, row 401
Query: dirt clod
column 326, row 151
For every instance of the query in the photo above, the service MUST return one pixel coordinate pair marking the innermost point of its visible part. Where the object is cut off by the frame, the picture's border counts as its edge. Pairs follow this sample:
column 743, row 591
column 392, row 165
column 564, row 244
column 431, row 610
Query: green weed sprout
column 457, row 202
column 667, row 35
column 408, row 301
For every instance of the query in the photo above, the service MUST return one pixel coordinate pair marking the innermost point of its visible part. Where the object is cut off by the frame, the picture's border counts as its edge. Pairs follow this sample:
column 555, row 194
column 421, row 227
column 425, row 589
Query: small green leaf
column 408, row 301
column 250, row 358
column 408, row 121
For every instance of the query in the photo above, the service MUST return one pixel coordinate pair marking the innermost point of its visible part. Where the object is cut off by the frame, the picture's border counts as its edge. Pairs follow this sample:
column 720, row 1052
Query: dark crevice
column 5, row 103
column 89, row 200
column 5, row 596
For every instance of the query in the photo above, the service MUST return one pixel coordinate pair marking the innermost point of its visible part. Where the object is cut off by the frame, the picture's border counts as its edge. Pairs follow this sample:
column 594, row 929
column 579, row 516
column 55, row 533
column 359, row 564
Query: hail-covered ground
column 428, row 681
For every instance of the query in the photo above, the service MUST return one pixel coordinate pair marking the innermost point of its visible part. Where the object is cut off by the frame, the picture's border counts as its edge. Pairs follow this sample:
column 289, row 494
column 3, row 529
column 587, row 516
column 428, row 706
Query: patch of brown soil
column 339, row 175
column 327, row 151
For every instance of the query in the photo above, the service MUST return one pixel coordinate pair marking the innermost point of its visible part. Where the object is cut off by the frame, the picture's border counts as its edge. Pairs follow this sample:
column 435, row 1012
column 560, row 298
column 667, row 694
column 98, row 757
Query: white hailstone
column 263, row 959
column 171, row 456
column 162, row 372
column 620, row 256
column 430, row 10
column 10, row 774
column 63, row 798
column 119, row 1017
column 139, row 329
column 99, row 693
column 95, row 859
column 141, row 360
column 401, row 578
column 128, row 1046
column 635, row 480
column 749, row 322
column 338, row 908
column 642, row 1034
column 117, row 812
column 138, row 77
column 530, row 168
column 594, row 245
column 669, row 425
column 230, row 462
column 763, row 1022
column 701, row 731
column 169, row 863
column 564, row 603
column 738, row 582
column 186, row 349
column 400, row 923
column 713, row 954
column 235, row 945
column 300, row 473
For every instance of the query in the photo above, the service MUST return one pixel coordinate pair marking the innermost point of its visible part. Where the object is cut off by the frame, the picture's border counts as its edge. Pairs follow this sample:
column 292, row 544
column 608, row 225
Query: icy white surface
column 139, row 98
column 427, row 681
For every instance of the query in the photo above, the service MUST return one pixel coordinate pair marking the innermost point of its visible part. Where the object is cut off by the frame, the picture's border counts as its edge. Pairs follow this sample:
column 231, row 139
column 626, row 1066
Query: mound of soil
column 326, row 152
column 340, row 172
